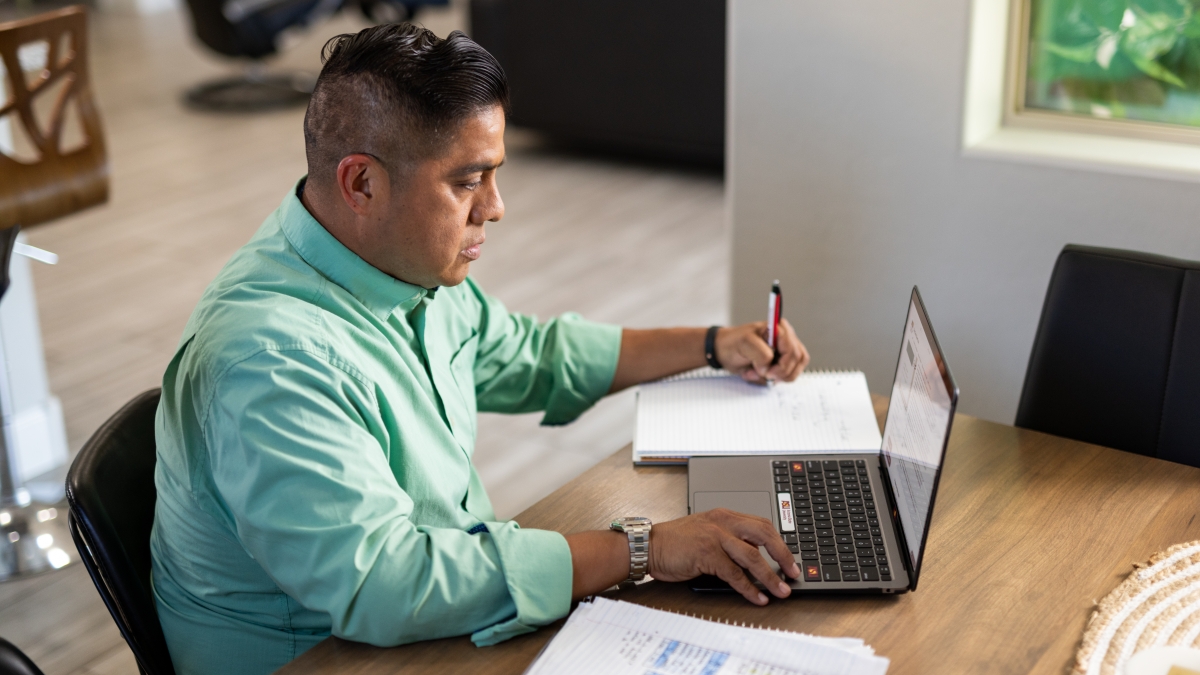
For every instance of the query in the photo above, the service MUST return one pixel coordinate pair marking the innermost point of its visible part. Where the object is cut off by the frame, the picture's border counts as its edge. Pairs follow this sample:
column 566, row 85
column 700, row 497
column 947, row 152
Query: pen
column 774, row 314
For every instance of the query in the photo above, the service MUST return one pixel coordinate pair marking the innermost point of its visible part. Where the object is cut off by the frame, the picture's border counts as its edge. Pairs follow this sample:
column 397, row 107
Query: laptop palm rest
column 754, row 503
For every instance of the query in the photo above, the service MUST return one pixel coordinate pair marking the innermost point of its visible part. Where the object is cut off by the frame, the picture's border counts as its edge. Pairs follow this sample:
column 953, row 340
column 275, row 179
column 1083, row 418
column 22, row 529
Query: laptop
column 855, row 523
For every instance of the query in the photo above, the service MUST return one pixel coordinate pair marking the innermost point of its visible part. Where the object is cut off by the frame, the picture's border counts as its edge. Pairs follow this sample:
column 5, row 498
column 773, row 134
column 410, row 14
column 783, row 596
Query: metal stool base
column 33, row 539
column 251, row 92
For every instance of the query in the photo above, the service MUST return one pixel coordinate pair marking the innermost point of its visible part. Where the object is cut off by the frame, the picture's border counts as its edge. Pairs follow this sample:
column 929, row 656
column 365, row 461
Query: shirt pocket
column 462, row 368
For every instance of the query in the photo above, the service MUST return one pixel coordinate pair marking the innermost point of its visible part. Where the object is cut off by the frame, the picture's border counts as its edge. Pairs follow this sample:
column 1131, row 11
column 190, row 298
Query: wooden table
column 1029, row 530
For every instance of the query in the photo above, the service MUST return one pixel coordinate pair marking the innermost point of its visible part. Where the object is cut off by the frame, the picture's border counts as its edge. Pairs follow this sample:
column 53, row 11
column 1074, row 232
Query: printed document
column 610, row 637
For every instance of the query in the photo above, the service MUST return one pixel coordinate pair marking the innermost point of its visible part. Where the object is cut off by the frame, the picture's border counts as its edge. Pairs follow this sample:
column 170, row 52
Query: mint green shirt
column 314, row 457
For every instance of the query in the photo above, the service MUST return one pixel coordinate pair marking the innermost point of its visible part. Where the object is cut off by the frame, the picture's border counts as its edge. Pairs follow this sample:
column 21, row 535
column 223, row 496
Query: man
column 317, row 422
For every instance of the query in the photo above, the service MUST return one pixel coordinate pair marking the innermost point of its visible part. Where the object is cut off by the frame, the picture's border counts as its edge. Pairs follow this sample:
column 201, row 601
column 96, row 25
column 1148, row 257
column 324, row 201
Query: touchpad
column 753, row 503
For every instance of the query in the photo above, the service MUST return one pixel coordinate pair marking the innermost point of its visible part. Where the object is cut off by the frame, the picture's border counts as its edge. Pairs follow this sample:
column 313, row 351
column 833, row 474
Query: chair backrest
column 14, row 662
column 55, row 179
column 1116, row 358
column 111, row 493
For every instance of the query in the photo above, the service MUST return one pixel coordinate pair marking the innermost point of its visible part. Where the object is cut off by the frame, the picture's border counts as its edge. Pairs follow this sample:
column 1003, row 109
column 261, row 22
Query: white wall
column 846, row 180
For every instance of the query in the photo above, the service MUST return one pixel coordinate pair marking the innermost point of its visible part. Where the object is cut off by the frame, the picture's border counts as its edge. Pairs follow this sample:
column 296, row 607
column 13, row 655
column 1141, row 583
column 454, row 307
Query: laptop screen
column 918, row 426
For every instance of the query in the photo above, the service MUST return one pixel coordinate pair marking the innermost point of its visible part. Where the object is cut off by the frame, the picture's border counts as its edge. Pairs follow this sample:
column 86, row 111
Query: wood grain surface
column 1028, row 531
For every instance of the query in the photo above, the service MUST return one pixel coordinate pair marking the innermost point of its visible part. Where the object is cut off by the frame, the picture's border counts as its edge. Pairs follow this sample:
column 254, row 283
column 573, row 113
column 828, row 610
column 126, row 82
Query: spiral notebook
column 610, row 637
column 711, row 412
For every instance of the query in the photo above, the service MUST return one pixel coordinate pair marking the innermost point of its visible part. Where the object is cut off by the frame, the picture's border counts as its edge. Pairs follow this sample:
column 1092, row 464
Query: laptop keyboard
column 837, row 534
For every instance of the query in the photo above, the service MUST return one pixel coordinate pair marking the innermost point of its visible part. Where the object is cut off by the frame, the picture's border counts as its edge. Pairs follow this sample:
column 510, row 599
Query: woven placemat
column 1158, row 604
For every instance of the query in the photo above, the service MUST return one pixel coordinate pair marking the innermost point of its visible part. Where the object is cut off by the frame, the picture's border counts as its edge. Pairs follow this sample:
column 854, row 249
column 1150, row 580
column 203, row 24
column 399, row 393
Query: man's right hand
column 721, row 543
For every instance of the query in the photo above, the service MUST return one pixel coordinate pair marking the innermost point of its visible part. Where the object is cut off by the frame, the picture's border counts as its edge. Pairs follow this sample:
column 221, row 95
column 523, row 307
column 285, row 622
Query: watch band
column 710, row 348
column 638, row 531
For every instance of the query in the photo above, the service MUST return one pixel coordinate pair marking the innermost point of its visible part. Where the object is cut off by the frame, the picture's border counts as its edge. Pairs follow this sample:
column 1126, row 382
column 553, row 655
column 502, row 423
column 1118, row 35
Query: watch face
column 622, row 523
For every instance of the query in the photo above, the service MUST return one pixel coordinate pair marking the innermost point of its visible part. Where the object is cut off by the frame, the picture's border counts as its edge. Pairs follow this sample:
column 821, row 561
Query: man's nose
column 490, row 206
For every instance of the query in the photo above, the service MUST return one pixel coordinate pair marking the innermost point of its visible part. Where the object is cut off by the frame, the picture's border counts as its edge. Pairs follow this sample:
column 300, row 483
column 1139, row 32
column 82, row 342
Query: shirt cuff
column 586, row 359
column 538, row 570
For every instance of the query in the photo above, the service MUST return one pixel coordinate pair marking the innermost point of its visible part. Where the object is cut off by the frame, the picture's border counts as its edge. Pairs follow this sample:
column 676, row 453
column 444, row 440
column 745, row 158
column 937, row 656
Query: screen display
column 918, row 422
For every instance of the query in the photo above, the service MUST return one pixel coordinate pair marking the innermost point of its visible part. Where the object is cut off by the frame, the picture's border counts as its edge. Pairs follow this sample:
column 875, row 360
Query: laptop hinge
column 897, row 526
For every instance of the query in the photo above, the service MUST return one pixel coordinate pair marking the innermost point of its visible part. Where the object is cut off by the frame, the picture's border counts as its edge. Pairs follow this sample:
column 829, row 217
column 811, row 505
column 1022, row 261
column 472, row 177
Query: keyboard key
column 804, row 528
column 845, row 548
column 808, row 555
column 885, row 570
column 808, row 546
column 829, row 560
column 873, row 522
column 859, row 527
column 793, row 548
column 820, row 508
column 827, row 550
column 849, row 567
column 880, row 551
column 780, row 470
column 789, row 538
column 835, row 490
column 812, row 572
column 862, row 536
column 855, row 509
column 846, row 462
column 850, row 576
column 882, row 560
column 847, row 557
column 878, row 541
column 837, row 513
column 851, row 501
column 862, row 543
column 866, row 562
column 804, row 521
column 876, row 532
column 830, row 573
column 841, row 522
column 797, row 467
column 860, row 462
column 803, row 511
column 858, row 518
column 825, row 541
column 821, row 516
column 812, row 465
column 872, row 514
column 829, row 464
column 807, row 536
column 845, row 539
column 779, row 462
column 842, row 530
column 821, row 500
column 868, row 574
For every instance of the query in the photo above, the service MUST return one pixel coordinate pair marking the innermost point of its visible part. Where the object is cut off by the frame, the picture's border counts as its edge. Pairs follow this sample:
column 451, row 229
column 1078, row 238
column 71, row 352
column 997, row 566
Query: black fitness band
column 710, row 347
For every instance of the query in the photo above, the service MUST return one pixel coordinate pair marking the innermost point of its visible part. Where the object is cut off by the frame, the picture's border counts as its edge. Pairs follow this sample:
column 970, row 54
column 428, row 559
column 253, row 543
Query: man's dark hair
column 397, row 92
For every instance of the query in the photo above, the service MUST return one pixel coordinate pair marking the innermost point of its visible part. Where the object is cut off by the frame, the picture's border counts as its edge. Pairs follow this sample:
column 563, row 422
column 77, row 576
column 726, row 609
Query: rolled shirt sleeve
column 303, row 475
column 561, row 366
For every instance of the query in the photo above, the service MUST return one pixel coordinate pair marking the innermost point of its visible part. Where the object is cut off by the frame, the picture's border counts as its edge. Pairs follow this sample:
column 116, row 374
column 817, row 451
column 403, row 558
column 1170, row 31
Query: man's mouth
column 472, row 252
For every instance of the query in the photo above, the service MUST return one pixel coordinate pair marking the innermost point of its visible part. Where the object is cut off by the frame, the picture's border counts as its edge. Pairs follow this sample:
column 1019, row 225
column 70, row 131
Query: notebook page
column 712, row 412
column 606, row 637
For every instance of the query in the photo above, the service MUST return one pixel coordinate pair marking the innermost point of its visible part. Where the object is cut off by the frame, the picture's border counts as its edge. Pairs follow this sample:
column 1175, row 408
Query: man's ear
column 362, row 182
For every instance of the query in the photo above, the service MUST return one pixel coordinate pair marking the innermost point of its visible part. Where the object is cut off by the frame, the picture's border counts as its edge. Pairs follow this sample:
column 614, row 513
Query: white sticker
column 786, row 522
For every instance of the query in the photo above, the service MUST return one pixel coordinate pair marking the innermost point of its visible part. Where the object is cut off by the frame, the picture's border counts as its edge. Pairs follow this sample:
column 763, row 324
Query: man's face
column 434, row 223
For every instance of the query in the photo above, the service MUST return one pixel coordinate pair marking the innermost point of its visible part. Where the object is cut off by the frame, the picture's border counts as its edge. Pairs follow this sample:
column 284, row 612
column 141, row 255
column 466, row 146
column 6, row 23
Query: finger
column 748, row 557
column 791, row 352
column 730, row 573
column 761, row 532
column 755, row 350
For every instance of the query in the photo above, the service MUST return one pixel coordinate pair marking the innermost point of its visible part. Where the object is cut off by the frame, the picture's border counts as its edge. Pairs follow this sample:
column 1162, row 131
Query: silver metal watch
column 638, row 531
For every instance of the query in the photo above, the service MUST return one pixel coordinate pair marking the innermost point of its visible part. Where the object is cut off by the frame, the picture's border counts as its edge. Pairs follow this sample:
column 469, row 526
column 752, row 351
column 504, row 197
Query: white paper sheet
column 708, row 412
column 608, row 637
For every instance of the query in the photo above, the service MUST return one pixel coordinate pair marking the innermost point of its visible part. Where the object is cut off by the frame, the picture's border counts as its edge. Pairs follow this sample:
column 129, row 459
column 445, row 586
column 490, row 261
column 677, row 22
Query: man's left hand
column 743, row 350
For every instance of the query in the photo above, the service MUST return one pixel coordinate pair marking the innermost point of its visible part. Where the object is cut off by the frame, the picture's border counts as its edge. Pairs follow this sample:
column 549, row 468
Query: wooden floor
column 631, row 243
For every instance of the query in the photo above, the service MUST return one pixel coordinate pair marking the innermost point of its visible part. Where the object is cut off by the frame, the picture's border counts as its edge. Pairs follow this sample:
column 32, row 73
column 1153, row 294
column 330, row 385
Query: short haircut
column 396, row 92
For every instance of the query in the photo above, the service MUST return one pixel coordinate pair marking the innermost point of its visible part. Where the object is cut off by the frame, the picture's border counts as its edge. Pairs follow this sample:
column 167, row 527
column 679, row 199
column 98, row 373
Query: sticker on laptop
column 786, row 522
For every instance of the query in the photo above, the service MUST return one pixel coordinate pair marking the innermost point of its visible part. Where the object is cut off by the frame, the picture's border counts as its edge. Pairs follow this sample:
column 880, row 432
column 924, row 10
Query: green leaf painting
column 1134, row 59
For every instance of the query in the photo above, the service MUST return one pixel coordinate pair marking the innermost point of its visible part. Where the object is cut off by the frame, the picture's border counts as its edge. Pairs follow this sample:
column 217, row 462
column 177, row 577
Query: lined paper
column 610, row 637
column 707, row 412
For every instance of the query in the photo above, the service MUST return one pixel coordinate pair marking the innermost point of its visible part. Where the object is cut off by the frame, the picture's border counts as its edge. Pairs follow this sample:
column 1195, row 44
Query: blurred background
column 666, row 161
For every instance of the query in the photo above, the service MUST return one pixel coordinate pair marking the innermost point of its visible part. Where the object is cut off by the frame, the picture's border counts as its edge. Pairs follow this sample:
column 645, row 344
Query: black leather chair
column 1116, row 358
column 250, row 29
column 110, row 490
column 14, row 662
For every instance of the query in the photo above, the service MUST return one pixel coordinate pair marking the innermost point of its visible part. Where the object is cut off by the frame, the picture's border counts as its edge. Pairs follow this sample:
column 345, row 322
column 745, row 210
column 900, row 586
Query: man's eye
column 472, row 185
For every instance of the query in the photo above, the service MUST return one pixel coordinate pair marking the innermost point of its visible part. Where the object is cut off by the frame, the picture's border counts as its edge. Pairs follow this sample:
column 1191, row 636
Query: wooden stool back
column 55, row 181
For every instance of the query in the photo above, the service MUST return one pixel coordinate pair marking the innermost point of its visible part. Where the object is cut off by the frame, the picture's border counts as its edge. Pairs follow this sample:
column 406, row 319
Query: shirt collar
column 380, row 293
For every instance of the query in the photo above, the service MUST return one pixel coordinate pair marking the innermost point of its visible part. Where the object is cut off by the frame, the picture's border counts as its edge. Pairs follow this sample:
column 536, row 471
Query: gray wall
column 846, row 181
